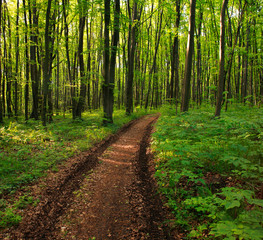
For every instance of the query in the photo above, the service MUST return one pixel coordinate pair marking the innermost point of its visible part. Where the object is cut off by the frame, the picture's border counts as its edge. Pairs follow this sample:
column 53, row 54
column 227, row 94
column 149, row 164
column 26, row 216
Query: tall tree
column 175, row 58
column 188, row 59
column 1, row 106
column 134, row 16
column 47, row 64
column 65, row 4
column 221, row 78
column 33, row 22
column 199, row 58
column 17, row 60
column 246, row 43
column 153, row 68
column 27, row 63
column 106, row 67
column 110, row 61
column 82, row 94
column 9, row 66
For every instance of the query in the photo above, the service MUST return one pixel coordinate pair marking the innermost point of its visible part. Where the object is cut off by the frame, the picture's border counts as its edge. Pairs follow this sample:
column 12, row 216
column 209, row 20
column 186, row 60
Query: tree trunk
column 244, row 83
column 46, row 64
column 82, row 94
column 221, row 77
column 199, row 59
column 113, row 59
column 131, row 53
column 106, row 69
column 70, row 74
column 147, row 59
column 1, row 104
column 17, row 61
column 27, row 63
column 57, row 90
column 33, row 57
column 228, row 83
column 89, row 35
column 153, row 68
column 9, row 71
column 188, row 59
column 175, row 58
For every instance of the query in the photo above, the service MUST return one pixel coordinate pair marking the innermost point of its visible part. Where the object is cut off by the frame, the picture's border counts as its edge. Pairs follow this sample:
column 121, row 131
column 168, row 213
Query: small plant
column 209, row 170
column 23, row 201
column 9, row 218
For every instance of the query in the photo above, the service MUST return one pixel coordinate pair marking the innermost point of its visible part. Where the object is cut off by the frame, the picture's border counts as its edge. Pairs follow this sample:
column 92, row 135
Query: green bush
column 29, row 149
column 210, row 170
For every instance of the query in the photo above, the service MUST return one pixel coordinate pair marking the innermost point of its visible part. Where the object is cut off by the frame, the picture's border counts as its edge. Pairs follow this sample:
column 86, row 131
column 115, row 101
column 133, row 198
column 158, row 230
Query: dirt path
column 107, row 193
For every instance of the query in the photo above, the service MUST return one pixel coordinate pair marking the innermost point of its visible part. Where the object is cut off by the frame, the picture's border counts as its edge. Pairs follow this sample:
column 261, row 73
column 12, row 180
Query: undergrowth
column 27, row 150
column 210, row 170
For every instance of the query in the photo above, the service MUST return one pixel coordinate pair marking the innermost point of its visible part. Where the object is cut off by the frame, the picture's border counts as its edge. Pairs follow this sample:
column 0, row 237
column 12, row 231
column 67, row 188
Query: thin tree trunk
column 82, row 94
column 57, row 74
column 33, row 57
column 188, row 59
column 89, row 61
column 17, row 61
column 1, row 103
column 106, row 68
column 199, row 59
column 70, row 75
column 132, row 42
column 175, row 58
column 244, row 82
column 221, row 78
column 153, row 68
column 4, row 73
column 228, row 85
column 9, row 71
column 113, row 59
column 46, row 64
column 147, row 58
column 27, row 63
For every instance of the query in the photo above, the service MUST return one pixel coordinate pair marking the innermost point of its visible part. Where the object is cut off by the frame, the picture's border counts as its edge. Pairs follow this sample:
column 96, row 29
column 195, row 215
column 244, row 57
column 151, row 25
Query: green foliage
column 210, row 170
column 27, row 150
column 9, row 218
column 23, row 201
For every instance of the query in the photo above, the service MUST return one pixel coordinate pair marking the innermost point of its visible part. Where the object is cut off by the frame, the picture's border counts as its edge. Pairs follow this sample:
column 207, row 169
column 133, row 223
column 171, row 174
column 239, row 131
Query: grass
column 210, row 170
column 27, row 150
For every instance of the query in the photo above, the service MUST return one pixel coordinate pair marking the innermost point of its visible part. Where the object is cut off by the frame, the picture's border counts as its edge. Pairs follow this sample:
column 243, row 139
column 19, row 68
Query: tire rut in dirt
column 153, row 213
column 57, row 196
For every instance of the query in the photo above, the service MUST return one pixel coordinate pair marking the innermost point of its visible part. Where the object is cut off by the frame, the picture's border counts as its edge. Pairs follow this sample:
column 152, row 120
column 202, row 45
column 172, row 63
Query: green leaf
column 258, row 202
column 232, row 204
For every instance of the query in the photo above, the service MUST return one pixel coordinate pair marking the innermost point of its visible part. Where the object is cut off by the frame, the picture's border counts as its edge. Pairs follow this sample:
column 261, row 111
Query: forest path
column 108, row 194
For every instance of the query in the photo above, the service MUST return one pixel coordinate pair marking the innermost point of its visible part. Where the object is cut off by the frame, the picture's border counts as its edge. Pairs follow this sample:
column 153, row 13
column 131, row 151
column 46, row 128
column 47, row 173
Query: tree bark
column 82, row 94
column 46, row 64
column 153, row 68
column 188, row 60
column 113, row 60
column 199, row 59
column 106, row 68
column 17, row 61
column 33, row 58
column 221, row 77
column 131, row 54
column 9, row 70
column 70, row 75
column 1, row 103
column 244, row 82
column 175, row 59
column 27, row 63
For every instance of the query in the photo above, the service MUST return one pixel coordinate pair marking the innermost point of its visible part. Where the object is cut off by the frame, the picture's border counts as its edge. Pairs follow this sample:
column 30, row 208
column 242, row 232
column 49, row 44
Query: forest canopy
column 67, row 55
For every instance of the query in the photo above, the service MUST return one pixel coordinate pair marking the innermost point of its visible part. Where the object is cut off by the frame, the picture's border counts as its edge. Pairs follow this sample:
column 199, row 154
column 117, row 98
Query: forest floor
column 108, row 192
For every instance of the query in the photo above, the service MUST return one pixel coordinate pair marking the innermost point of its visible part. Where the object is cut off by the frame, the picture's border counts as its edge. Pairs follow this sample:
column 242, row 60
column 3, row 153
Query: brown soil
column 106, row 193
